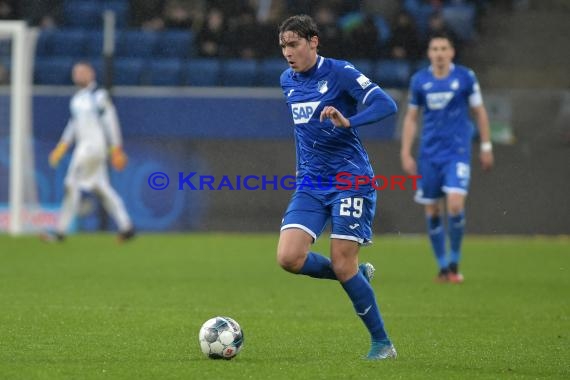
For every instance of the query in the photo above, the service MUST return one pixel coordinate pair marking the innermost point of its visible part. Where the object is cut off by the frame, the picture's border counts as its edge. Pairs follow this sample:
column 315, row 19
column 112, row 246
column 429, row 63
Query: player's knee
column 343, row 270
column 290, row 259
column 455, row 208
column 432, row 210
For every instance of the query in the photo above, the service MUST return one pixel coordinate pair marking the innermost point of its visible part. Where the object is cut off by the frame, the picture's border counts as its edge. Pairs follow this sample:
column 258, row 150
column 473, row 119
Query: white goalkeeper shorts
column 87, row 169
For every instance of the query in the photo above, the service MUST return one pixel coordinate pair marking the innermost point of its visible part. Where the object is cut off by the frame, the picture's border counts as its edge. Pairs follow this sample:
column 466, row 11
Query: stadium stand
column 169, row 57
column 392, row 73
column 203, row 72
column 165, row 72
column 239, row 72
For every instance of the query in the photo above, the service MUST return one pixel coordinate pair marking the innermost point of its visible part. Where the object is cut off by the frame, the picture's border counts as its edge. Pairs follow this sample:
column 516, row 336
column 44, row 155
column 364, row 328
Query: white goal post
column 21, row 152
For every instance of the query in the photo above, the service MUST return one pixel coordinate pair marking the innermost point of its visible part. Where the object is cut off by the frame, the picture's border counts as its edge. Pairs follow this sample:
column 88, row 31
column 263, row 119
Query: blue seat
column 83, row 14
column 128, row 71
column 43, row 43
column 175, row 44
column 53, row 71
column 203, row 72
column 94, row 43
column 136, row 43
column 97, row 64
column 68, row 42
column 393, row 73
column 164, row 72
column 270, row 71
column 421, row 64
column 365, row 66
column 239, row 72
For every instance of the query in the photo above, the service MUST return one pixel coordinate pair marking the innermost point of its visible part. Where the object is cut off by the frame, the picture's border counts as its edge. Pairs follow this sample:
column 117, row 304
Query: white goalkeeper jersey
column 93, row 123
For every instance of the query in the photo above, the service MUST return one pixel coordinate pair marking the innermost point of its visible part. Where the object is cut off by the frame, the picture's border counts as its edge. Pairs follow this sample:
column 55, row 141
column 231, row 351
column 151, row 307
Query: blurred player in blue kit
column 322, row 95
column 446, row 93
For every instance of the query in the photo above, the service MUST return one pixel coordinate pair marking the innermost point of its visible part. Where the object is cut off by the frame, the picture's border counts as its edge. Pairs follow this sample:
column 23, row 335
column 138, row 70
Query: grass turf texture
column 91, row 309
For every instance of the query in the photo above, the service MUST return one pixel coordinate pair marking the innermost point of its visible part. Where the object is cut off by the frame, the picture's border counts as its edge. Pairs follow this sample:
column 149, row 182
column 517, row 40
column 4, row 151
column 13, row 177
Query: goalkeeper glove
column 118, row 158
column 56, row 154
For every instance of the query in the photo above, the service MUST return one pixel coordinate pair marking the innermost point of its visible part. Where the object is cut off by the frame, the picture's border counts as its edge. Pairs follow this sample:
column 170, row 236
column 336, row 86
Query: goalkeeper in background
column 94, row 128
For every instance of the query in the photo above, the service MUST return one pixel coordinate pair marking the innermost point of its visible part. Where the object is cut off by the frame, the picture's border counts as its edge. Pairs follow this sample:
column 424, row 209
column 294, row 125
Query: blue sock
column 437, row 237
column 362, row 296
column 318, row 266
column 456, row 228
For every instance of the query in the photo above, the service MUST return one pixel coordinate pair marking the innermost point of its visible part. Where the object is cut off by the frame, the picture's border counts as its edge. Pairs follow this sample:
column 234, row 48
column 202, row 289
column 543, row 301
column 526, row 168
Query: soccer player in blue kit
column 322, row 95
column 446, row 93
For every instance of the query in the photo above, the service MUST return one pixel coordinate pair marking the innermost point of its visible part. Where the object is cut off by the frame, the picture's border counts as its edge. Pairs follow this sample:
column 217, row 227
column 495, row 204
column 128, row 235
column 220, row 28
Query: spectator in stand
column 404, row 42
column 329, row 32
column 7, row 11
column 147, row 14
column 210, row 40
column 243, row 34
column 184, row 14
column 386, row 8
column 268, row 13
column 46, row 14
column 362, row 41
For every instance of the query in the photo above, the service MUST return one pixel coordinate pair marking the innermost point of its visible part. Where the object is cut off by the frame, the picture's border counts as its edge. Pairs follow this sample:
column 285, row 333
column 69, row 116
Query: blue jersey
column 323, row 150
column 447, row 126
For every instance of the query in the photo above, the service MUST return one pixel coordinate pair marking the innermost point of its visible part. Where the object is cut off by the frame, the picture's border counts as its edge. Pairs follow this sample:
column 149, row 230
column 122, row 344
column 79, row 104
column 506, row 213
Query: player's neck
column 310, row 67
column 441, row 71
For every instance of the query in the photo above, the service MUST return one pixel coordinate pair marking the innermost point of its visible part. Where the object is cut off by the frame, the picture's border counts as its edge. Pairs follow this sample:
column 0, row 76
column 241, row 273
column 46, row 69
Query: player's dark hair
column 442, row 35
column 303, row 25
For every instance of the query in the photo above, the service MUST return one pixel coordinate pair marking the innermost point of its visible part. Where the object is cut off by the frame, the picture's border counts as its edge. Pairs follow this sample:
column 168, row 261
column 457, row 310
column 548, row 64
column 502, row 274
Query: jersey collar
column 451, row 68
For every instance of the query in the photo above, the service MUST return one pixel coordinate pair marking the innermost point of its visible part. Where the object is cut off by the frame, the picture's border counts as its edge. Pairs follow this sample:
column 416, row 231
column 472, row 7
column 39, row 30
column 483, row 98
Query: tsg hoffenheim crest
column 322, row 86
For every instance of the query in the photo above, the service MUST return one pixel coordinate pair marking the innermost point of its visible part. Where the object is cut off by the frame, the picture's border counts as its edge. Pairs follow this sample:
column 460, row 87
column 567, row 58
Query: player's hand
column 118, row 158
column 409, row 164
column 56, row 154
column 335, row 116
column 487, row 160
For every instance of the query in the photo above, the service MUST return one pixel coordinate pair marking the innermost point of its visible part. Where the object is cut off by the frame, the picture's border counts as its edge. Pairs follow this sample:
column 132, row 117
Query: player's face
column 82, row 75
column 300, row 53
column 440, row 52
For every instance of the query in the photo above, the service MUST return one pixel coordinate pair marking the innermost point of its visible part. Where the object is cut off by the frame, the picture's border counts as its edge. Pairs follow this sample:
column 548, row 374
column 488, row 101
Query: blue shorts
column 439, row 179
column 350, row 213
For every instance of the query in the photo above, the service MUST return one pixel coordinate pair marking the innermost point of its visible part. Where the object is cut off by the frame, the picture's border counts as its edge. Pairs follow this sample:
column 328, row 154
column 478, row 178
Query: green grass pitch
column 92, row 309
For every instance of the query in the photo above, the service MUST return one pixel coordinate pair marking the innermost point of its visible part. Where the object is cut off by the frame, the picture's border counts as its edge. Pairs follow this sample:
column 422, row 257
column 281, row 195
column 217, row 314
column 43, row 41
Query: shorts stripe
column 351, row 238
column 456, row 190
column 419, row 198
column 301, row 227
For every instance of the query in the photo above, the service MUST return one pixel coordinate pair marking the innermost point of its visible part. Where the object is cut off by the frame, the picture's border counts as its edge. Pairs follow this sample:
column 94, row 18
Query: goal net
column 19, row 207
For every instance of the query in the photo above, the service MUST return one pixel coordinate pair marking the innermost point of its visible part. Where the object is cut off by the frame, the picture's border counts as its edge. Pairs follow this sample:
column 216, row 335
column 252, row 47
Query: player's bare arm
column 337, row 118
column 408, row 135
column 486, row 152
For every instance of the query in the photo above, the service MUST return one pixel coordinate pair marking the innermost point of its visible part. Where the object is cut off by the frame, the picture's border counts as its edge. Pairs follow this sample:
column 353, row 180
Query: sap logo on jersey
column 302, row 112
column 438, row 100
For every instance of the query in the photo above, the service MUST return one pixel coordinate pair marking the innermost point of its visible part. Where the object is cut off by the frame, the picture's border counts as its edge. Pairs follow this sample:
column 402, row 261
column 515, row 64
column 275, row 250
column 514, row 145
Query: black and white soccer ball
column 221, row 338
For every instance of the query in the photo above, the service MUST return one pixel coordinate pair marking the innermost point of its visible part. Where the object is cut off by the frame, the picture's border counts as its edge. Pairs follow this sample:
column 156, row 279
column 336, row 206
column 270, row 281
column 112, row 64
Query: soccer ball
column 221, row 338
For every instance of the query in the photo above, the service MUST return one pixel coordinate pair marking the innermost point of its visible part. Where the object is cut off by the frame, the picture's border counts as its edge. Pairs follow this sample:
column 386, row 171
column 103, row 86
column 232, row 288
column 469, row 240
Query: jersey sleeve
column 355, row 83
column 108, row 115
column 68, row 135
column 379, row 104
column 474, row 90
column 415, row 98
